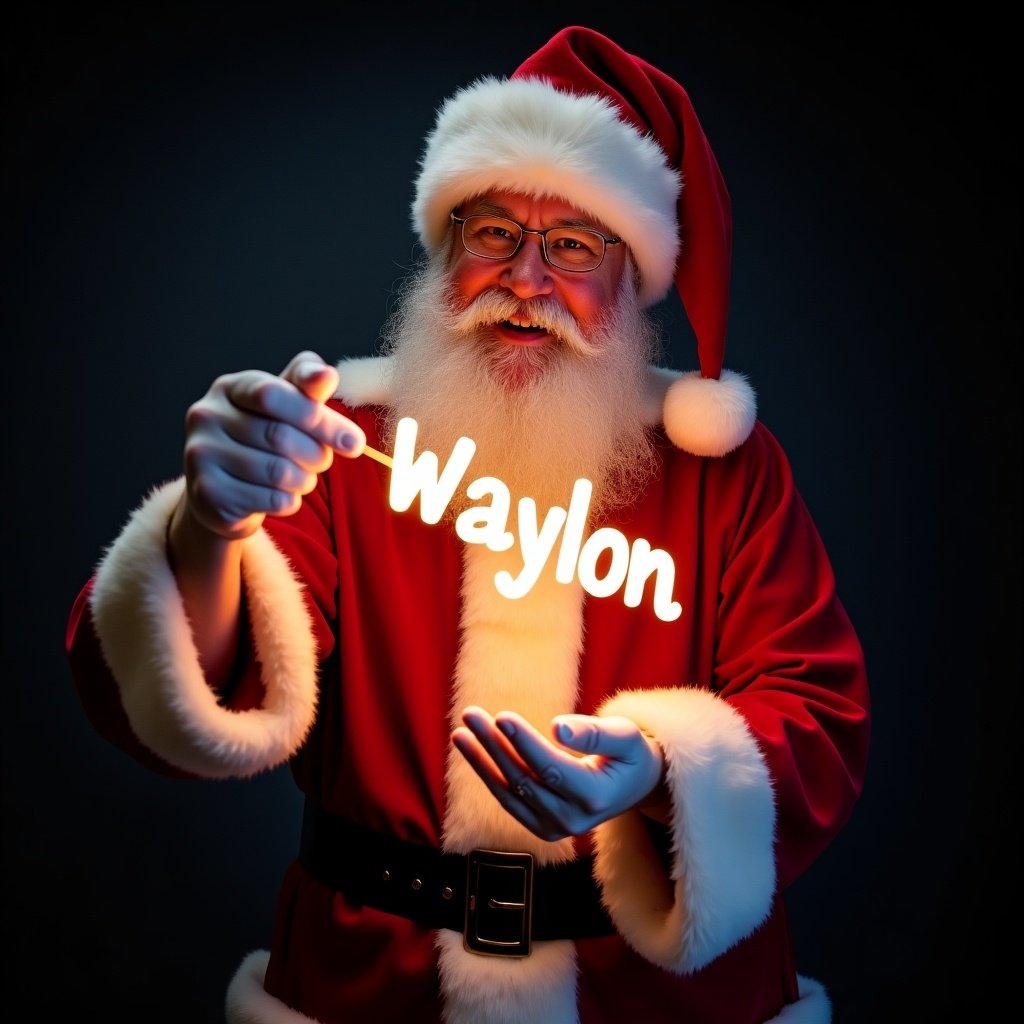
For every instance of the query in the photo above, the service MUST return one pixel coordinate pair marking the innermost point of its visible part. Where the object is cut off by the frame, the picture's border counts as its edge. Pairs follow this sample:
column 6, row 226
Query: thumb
column 588, row 734
column 317, row 380
column 311, row 375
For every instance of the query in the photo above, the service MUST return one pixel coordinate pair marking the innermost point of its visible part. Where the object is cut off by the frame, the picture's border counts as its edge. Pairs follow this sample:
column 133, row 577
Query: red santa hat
column 585, row 121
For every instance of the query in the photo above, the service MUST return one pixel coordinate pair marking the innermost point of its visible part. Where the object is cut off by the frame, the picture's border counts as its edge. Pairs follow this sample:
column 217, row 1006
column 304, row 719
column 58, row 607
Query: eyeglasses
column 577, row 250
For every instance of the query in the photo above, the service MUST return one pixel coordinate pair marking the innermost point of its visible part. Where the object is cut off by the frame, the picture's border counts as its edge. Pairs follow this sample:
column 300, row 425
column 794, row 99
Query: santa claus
column 525, row 801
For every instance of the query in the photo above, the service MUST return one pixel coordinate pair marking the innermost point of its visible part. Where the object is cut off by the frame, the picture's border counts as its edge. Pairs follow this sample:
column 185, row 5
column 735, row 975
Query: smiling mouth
column 523, row 327
column 520, row 331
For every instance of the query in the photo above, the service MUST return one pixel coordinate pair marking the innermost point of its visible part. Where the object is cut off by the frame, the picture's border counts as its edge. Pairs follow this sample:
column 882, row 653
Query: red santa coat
column 370, row 629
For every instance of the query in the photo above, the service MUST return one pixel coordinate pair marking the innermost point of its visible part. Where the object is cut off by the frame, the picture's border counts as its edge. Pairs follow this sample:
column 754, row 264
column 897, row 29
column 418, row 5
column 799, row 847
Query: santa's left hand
column 597, row 769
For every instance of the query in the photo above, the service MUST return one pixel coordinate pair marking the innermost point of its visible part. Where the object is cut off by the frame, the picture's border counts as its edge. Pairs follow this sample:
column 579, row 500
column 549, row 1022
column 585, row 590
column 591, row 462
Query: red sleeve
column 309, row 572
column 788, row 659
column 97, row 689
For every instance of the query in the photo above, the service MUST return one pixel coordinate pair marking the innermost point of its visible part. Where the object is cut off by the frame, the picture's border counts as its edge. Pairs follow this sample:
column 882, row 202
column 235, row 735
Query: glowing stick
column 384, row 460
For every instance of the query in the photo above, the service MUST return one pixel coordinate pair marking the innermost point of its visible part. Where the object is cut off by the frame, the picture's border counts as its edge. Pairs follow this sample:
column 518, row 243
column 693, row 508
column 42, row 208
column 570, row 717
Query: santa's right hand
column 255, row 443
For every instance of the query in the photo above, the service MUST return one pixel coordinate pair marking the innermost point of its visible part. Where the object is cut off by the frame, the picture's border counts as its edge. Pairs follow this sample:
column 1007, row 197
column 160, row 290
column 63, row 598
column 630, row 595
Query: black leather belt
column 500, row 901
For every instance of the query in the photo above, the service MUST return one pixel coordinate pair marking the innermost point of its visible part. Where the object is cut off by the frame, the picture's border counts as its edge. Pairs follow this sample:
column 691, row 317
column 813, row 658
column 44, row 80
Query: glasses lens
column 493, row 237
column 575, row 249
column 496, row 238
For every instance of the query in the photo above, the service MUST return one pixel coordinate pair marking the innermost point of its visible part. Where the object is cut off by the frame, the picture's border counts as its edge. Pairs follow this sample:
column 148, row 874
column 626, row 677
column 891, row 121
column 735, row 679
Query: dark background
column 192, row 189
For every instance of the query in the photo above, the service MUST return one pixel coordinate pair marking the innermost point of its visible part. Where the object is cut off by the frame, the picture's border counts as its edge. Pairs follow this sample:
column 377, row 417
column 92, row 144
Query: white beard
column 541, row 418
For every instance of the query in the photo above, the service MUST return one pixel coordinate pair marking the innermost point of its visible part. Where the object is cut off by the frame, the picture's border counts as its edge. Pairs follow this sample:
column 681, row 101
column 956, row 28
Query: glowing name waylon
column 630, row 565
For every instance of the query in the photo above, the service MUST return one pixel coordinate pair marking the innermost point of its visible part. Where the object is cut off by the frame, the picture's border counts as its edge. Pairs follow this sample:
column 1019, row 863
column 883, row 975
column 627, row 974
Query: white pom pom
column 709, row 417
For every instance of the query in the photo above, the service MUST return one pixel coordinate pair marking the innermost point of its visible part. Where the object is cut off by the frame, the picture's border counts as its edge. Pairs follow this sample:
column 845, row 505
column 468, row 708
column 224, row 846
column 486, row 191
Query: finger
column 267, row 443
column 629, row 760
column 513, row 798
column 515, row 774
column 501, row 753
column 565, row 775
column 275, row 472
column 251, row 448
column 312, row 376
column 319, row 381
column 233, row 500
column 282, row 400
column 481, row 762
column 614, row 737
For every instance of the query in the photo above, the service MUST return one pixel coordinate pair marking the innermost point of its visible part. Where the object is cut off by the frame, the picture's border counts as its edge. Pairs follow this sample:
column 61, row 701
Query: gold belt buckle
column 499, row 903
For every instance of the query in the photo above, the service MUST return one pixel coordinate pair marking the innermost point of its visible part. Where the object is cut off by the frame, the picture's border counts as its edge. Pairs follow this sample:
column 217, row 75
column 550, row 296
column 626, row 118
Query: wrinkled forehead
column 531, row 209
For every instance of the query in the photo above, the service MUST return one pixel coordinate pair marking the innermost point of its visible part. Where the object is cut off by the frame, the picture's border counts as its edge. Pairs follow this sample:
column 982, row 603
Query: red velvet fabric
column 761, row 624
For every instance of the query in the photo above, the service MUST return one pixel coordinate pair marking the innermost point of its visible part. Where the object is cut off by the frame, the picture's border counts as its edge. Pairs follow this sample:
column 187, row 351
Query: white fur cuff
column 723, row 822
column 249, row 1003
column 147, row 642
column 812, row 1006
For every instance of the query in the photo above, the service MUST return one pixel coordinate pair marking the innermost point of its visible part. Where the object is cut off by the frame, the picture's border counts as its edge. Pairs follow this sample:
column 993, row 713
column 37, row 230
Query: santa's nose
column 527, row 274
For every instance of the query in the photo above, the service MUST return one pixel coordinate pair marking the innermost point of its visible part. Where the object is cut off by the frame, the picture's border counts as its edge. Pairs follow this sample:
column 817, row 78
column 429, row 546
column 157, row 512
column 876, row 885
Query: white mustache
column 493, row 307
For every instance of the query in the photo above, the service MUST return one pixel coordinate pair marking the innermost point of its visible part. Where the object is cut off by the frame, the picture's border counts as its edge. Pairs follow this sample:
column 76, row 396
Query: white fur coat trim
column 520, row 655
column 248, row 1002
column 147, row 643
column 497, row 990
column 723, row 828
column 701, row 416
